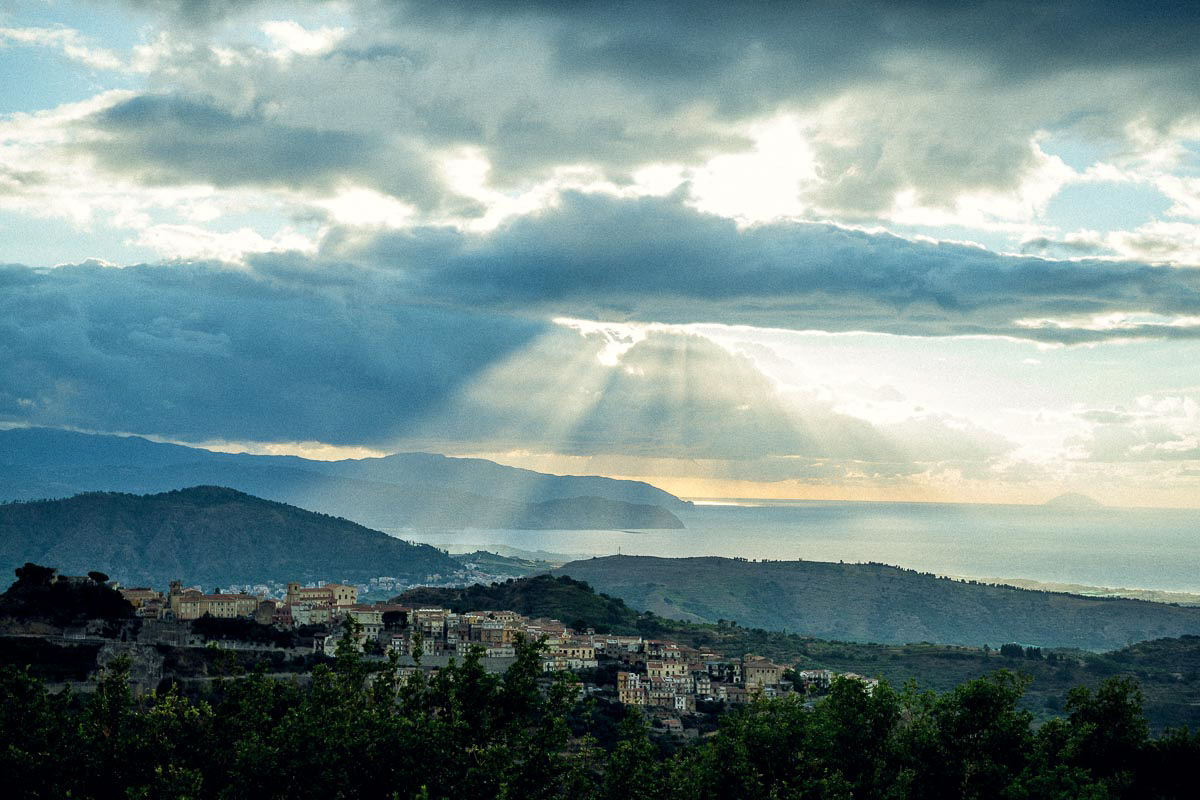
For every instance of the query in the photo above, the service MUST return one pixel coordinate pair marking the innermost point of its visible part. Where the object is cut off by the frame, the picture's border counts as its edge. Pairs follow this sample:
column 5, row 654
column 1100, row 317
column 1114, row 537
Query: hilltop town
column 663, row 677
column 71, row 630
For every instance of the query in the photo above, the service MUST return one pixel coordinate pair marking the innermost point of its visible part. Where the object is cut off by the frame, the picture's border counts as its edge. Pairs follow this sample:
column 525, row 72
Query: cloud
column 1157, row 428
column 350, row 357
column 197, row 352
column 915, row 114
column 1068, row 247
column 72, row 44
column 651, row 259
column 174, row 139
column 939, row 102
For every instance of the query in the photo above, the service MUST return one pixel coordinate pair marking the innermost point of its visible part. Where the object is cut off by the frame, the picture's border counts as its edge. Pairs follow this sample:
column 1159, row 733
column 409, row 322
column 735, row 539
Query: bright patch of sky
column 1078, row 153
column 43, row 242
column 1105, row 206
column 52, row 53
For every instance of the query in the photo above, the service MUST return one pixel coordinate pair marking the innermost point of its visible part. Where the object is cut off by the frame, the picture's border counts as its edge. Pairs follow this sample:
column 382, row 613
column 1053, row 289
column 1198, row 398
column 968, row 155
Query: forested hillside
column 208, row 535
column 876, row 603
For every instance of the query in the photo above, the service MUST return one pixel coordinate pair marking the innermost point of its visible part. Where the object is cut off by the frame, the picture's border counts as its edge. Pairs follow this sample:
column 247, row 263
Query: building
column 569, row 654
column 758, row 673
column 368, row 618
column 816, row 679
column 192, row 604
column 146, row 602
column 335, row 595
column 631, row 689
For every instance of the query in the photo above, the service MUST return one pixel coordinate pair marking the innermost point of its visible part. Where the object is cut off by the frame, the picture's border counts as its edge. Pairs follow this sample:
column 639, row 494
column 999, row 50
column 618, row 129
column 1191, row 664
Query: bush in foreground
column 465, row 733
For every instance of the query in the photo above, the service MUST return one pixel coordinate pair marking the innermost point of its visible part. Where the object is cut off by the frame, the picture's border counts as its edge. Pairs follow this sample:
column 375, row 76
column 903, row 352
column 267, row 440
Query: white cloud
column 70, row 42
column 763, row 184
column 1132, row 321
column 289, row 38
column 190, row 242
column 1017, row 210
column 1184, row 192
column 360, row 206
column 1159, row 242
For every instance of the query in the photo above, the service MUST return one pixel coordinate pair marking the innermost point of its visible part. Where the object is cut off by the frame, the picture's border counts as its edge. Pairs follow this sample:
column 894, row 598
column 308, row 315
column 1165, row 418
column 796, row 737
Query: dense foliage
column 242, row 629
column 876, row 603
column 561, row 598
column 39, row 593
column 210, row 535
column 465, row 733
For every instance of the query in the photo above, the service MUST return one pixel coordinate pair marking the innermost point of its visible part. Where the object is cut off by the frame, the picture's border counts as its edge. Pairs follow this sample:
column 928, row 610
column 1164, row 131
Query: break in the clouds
column 909, row 249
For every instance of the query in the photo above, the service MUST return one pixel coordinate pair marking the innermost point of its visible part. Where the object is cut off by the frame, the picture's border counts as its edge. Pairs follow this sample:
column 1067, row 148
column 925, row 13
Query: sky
column 829, row 250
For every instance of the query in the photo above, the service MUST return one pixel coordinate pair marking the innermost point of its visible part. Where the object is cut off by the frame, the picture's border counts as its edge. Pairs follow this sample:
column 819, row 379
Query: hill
column 876, row 603
column 405, row 490
column 207, row 535
column 1073, row 501
column 1166, row 668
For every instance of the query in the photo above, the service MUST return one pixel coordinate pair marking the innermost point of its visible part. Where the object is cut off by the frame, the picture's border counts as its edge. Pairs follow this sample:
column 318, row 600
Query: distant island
column 1073, row 501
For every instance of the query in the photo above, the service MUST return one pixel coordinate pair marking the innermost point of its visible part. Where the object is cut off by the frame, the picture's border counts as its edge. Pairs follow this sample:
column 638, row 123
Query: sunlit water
column 1131, row 548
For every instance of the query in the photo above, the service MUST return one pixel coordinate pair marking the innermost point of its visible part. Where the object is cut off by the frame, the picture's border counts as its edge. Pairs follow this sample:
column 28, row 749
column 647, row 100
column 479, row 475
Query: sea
column 1105, row 547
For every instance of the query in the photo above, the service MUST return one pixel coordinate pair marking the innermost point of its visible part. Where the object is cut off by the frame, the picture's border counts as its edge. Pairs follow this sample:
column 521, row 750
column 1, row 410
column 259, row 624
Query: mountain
column 406, row 490
column 876, row 603
column 207, row 535
column 1073, row 501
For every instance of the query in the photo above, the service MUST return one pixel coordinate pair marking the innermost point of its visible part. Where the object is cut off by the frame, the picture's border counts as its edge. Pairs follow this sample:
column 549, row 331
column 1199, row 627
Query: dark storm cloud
column 176, row 139
column 655, row 260
column 198, row 352
column 659, row 39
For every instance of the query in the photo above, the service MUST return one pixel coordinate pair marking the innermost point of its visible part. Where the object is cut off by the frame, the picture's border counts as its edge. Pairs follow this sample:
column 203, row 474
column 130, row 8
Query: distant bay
column 1115, row 547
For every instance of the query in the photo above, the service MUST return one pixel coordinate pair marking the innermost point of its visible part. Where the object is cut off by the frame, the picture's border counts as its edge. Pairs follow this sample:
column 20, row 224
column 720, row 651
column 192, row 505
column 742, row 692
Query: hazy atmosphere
column 814, row 251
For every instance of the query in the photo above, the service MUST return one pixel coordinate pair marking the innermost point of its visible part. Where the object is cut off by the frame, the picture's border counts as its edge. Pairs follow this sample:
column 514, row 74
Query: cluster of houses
column 666, row 675
column 651, row 674
column 377, row 627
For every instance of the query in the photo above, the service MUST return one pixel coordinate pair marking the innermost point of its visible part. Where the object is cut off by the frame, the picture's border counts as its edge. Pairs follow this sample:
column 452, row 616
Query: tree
column 1107, row 731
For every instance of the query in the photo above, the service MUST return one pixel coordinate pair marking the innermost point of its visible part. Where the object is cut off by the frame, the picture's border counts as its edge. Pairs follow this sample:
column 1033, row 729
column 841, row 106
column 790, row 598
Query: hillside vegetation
column 876, row 603
column 1168, row 670
column 209, row 535
column 468, row 734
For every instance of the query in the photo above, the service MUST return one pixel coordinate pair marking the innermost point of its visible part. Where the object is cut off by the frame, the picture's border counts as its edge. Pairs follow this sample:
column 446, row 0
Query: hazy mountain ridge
column 207, row 535
column 398, row 491
column 876, row 603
